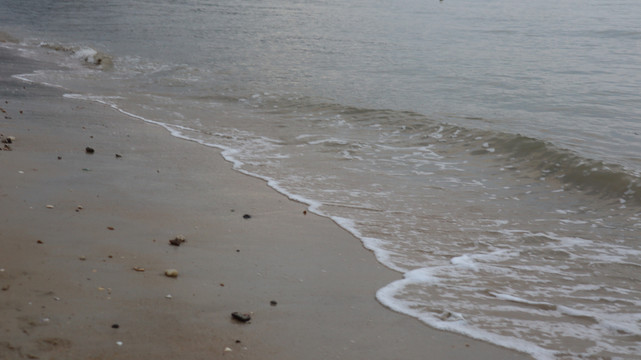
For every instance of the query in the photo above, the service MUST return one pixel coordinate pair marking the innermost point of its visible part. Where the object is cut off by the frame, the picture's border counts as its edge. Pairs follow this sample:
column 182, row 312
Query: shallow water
column 487, row 150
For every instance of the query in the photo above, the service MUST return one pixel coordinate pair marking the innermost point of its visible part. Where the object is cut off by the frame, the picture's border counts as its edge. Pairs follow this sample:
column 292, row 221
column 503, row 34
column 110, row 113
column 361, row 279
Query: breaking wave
column 86, row 55
column 536, row 158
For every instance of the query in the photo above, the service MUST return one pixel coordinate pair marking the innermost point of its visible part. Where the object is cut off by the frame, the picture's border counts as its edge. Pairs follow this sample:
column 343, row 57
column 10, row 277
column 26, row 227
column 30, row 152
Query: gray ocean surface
column 488, row 150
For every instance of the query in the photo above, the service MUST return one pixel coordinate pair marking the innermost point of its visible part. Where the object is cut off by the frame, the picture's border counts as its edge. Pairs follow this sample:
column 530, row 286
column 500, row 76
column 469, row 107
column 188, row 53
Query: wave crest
column 592, row 176
column 87, row 56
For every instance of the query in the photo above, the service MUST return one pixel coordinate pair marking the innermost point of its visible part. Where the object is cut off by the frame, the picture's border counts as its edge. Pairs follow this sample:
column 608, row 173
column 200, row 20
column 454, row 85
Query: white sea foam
column 85, row 53
column 543, row 305
column 329, row 141
column 445, row 319
column 465, row 261
column 28, row 78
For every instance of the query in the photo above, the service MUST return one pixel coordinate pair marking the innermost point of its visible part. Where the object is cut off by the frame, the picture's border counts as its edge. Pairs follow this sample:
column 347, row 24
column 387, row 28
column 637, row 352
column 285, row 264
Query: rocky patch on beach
column 6, row 141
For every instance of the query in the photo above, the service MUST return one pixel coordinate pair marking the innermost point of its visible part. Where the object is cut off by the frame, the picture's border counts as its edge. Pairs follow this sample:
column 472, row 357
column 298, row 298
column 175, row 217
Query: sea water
column 488, row 150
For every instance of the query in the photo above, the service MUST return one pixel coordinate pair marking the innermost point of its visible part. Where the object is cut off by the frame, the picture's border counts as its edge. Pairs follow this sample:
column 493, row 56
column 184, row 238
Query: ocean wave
column 549, row 161
column 87, row 56
column 8, row 38
column 537, row 158
column 533, row 157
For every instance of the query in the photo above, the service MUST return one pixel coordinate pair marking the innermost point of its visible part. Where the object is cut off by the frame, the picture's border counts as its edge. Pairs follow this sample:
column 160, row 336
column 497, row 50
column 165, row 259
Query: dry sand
column 68, row 285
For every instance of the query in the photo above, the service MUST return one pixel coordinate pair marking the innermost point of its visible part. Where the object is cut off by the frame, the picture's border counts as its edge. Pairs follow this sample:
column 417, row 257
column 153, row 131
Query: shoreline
column 67, row 271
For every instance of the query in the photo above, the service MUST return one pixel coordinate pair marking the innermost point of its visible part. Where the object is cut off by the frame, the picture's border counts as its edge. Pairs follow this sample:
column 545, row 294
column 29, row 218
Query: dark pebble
column 247, row 216
column 115, row 326
column 89, row 150
column 241, row 317
column 177, row 241
column 273, row 303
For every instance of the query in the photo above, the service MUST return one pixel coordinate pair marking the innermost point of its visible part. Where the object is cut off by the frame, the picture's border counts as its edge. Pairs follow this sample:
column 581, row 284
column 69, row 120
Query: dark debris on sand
column 177, row 241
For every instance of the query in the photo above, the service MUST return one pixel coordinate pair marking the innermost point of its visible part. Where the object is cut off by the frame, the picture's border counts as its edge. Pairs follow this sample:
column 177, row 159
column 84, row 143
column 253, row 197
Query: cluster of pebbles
column 6, row 140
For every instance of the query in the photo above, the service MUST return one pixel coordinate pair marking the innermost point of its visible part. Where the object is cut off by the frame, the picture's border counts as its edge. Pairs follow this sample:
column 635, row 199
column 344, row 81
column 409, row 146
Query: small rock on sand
column 171, row 273
column 241, row 317
column 7, row 139
column 178, row 240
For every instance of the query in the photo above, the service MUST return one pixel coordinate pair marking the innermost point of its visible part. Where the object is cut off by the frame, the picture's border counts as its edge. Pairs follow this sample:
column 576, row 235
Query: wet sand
column 74, row 225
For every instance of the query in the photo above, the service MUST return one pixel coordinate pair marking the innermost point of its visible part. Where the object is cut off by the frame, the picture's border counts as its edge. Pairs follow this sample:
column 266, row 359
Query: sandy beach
column 85, row 244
